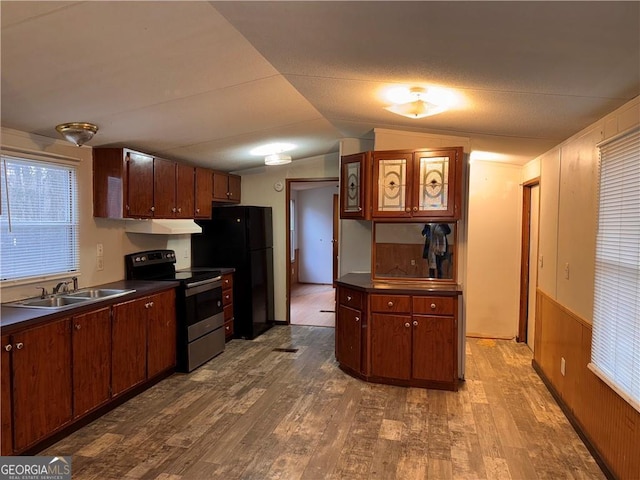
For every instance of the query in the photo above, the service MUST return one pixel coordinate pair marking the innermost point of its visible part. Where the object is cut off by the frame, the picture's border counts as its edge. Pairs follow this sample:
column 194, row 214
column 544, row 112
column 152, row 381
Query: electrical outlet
column 413, row 262
column 566, row 270
column 563, row 366
column 100, row 263
column 186, row 253
column 99, row 250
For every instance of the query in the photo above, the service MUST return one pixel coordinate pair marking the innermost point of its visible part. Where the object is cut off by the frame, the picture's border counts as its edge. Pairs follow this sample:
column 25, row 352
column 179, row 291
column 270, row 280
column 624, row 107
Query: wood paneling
column 6, row 427
column 401, row 260
column 610, row 424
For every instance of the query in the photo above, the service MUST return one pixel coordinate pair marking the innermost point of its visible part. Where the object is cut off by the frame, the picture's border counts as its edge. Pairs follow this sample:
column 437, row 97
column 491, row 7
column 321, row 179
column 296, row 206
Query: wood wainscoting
column 609, row 423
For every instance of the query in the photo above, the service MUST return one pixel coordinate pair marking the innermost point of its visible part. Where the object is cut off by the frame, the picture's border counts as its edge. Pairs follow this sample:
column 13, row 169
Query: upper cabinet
column 402, row 184
column 354, row 186
column 129, row 184
column 226, row 187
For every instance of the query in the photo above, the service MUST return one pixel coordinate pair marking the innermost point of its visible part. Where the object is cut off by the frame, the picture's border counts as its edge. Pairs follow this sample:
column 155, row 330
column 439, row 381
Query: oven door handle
column 203, row 282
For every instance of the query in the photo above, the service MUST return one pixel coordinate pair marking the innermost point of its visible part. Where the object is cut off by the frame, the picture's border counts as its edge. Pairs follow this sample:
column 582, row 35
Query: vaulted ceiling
column 205, row 82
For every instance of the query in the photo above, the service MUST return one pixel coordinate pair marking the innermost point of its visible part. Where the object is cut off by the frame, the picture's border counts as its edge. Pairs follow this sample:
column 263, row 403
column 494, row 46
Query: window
column 38, row 219
column 615, row 355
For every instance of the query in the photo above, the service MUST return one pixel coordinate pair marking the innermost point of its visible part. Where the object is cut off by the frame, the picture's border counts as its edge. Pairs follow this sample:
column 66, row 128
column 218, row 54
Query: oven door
column 203, row 302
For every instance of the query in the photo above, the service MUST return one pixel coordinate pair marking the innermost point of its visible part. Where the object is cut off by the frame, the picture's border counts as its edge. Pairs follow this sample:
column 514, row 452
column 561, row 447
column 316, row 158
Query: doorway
column 529, row 262
column 311, row 251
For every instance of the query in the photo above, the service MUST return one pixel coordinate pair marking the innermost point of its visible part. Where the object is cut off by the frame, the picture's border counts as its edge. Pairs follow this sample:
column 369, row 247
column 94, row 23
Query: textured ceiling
column 205, row 82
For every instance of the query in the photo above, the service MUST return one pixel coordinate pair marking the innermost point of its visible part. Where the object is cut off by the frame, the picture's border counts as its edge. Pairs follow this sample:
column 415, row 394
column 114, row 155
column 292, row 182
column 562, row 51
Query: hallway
column 313, row 305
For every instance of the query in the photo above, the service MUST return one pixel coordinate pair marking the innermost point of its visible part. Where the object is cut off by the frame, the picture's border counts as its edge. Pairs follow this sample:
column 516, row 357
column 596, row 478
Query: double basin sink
column 66, row 300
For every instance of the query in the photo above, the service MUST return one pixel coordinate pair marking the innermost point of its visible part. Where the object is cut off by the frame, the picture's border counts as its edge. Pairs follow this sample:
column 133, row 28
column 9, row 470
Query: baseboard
column 574, row 422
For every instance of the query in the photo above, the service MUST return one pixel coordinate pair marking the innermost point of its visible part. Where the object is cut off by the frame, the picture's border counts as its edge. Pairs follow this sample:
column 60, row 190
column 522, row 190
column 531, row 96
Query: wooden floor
column 313, row 305
column 256, row 413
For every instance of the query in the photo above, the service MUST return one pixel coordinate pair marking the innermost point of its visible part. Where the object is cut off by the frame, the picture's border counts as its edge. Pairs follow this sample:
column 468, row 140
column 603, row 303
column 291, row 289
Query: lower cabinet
column 41, row 382
column 58, row 372
column 91, row 346
column 227, row 305
column 409, row 338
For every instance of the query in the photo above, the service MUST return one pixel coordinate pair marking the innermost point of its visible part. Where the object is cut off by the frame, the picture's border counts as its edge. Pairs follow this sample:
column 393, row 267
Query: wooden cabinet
column 91, row 346
column 129, row 184
column 226, row 187
column 203, row 192
column 355, row 199
column 41, row 381
column 129, row 345
column 349, row 324
column 423, row 184
column 161, row 333
column 6, row 412
column 402, row 184
column 227, row 304
column 410, row 338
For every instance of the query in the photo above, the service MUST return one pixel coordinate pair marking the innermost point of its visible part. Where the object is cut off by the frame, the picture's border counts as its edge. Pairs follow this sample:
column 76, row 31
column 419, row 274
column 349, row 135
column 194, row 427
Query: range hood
column 162, row 227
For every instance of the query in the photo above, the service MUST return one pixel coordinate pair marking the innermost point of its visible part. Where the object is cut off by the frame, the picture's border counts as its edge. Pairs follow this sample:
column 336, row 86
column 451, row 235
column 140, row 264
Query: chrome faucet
column 65, row 286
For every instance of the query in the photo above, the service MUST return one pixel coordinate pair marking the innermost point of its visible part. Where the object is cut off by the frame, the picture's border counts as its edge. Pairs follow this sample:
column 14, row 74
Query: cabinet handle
column 433, row 306
column 359, row 209
column 348, row 298
column 153, row 209
column 227, row 328
column 197, row 210
column 146, row 305
column 415, row 323
column 19, row 345
column 226, row 282
column 407, row 209
column 179, row 209
column 227, row 297
column 407, row 324
column 77, row 326
column 390, row 304
column 357, row 319
column 8, row 347
column 150, row 304
column 415, row 209
column 173, row 209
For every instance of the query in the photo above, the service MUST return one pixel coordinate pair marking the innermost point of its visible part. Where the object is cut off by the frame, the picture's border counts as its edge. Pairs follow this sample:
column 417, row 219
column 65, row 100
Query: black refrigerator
column 241, row 237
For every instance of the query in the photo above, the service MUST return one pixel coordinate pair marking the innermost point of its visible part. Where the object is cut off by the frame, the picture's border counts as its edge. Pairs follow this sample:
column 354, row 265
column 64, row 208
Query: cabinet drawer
column 434, row 305
column 391, row 303
column 227, row 297
column 228, row 312
column 228, row 330
column 351, row 298
column 227, row 281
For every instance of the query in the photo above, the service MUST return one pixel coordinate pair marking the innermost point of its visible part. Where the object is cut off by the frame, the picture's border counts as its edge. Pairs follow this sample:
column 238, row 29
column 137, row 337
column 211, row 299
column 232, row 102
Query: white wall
column 110, row 233
column 257, row 189
column 493, row 254
column 315, row 223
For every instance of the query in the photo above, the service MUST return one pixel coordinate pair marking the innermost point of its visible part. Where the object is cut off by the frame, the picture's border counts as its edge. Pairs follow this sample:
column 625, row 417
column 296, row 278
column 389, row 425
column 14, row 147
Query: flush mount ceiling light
column 415, row 102
column 77, row 133
column 277, row 159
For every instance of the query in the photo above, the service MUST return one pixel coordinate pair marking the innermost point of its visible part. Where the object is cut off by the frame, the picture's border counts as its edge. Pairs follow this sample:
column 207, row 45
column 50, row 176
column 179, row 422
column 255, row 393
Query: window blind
column 38, row 219
column 615, row 354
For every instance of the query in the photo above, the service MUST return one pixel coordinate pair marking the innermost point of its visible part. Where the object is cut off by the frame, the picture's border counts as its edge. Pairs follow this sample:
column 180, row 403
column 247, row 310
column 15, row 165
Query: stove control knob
column 137, row 259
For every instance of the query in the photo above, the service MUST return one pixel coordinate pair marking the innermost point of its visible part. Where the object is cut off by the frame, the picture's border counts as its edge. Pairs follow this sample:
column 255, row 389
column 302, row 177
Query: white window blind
column 38, row 219
column 615, row 355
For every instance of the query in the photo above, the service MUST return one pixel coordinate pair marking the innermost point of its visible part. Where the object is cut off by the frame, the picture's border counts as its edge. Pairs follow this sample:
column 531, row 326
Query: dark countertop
column 363, row 281
column 17, row 318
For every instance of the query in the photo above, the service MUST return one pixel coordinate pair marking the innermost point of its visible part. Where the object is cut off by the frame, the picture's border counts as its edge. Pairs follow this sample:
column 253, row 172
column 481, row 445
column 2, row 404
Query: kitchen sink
column 63, row 301
column 100, row 293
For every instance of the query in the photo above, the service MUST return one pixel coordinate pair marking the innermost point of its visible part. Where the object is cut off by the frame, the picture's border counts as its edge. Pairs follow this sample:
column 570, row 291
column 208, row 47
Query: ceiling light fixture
column 277, row 159
column 416, row 105
column 271, row 148
column 77, row 133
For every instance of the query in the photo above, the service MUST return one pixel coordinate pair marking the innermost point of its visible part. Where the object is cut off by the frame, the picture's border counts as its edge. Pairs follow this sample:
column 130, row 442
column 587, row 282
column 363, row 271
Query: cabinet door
column 6, row 427
column 390, row 346
column 139, row 185
column 161, row 339
column 164, row 188
column 91, row 340
column 354, row 188
column 203, row 192
column 434, row 348
column 220, row 186
column 185, row 187
column 235, row 188
column 129, row 345
column 434, row 183
column 41, row 381
column 348, row 337
column 391, row 184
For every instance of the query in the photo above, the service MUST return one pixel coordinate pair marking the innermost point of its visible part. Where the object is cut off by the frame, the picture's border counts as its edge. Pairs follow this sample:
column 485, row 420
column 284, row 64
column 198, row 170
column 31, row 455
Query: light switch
column 540, row 261
column 566, row 270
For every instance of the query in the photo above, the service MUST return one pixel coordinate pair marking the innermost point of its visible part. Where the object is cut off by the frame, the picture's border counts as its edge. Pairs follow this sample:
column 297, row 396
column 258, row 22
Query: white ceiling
column 205, row 82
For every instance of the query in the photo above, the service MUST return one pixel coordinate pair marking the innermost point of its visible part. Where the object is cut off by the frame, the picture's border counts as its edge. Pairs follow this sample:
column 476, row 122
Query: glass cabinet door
column 434, row 183
column 392, row 171
column 353, row 186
